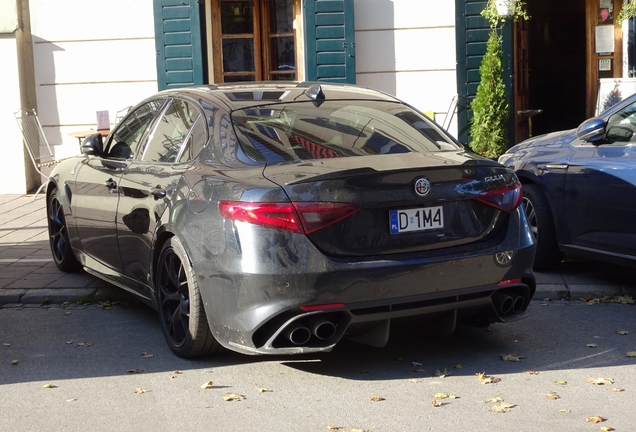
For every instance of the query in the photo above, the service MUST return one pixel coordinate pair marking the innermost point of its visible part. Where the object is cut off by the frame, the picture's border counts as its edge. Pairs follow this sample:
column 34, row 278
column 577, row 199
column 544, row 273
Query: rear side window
column 304, row 131
column 171, row 132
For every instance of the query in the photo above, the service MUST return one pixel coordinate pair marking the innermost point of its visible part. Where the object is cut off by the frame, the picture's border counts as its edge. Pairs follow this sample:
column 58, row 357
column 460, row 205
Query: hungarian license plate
column 419, row 219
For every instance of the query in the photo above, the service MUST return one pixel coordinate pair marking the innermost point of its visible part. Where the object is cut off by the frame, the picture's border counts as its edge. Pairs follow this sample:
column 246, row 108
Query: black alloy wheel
column 63, row 256
column 183, row 319
column 539, row 216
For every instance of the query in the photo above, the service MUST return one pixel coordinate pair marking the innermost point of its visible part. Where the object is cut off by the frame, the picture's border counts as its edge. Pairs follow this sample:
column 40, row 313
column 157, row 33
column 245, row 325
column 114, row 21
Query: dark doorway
column 556, row 59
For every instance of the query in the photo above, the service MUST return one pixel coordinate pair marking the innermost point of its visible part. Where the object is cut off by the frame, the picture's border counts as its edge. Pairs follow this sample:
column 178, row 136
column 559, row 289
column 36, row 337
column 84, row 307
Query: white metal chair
column 121, row 114
column 35, row 142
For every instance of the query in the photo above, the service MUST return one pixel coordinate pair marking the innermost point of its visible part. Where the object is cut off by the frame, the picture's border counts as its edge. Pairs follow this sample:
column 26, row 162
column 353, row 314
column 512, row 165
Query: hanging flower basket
column 505, row 7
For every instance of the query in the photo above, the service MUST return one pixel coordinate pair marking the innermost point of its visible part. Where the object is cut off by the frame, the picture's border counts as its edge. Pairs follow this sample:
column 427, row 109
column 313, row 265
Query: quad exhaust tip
column 508, row 303
column 300, row 333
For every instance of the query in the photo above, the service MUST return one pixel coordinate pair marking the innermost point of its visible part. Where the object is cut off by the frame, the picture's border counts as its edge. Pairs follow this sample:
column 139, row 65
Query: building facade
column 69, row 59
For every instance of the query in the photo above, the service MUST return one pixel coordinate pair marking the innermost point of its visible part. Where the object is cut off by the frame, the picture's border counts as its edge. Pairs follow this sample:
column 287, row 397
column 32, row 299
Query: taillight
column 302, row 218
column 506, row 199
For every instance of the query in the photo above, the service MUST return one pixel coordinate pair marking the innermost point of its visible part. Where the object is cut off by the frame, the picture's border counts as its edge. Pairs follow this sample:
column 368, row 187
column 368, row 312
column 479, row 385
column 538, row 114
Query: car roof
column 243, row 95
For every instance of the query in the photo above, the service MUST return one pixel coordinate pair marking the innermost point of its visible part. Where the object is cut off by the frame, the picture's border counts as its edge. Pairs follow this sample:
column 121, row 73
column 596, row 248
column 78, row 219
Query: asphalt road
column 95, row 359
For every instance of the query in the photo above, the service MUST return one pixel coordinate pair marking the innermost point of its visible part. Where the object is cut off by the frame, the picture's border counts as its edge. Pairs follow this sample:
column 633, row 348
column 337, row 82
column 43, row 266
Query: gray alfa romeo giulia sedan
column 279, row 218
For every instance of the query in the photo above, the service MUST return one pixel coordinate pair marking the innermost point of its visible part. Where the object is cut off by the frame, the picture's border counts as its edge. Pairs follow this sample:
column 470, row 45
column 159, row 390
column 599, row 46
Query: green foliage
column 628, row 11
column 490, row 106
column 518, row 11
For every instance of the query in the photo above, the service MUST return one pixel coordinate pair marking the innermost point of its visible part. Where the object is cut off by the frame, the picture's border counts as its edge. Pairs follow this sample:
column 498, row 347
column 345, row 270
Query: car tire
column 59, row 241
column 535, row 204
column 183, row 319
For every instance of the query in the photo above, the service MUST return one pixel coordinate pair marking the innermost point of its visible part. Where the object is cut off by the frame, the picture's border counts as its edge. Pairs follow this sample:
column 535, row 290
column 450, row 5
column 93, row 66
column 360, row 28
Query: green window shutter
column 471, row 34
column 178, row 42
column 330, row 41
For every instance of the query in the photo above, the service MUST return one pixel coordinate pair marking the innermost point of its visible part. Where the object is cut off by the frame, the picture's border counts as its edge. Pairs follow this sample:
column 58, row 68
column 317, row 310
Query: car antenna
column 316, row 94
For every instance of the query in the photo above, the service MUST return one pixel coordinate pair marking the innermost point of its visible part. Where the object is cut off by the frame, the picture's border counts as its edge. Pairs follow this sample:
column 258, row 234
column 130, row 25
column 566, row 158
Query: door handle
column 111, row 184
column 158, row 192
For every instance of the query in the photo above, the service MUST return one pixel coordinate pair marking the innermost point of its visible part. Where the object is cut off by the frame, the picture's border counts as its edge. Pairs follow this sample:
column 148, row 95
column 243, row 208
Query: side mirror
column 591, row 130
column 93, row 145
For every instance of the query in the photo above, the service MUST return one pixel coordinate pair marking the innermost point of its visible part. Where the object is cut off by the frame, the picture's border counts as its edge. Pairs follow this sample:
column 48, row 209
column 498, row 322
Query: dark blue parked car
column 579, row 188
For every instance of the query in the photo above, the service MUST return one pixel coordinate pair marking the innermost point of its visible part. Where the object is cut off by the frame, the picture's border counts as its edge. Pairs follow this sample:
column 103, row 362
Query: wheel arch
column 161, row 238
column 558, row 215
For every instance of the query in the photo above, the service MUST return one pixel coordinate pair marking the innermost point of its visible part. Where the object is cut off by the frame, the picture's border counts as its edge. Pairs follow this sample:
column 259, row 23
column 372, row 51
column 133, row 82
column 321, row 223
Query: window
column 254, row 40
column 301, row 131
column 195, row 142
column 171, row 131
column 126, row 139
column 621, row 126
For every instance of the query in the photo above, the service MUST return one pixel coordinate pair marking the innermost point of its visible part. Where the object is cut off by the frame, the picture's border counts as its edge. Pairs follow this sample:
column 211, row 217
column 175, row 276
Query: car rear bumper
column 300, row 306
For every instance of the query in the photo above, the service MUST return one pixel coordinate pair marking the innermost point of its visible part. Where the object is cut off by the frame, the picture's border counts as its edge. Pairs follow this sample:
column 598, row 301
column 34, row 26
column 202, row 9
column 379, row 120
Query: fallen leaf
column 445, row 396
column 565, row 411
column 622, row 332
column 487, row 379
column 49, row 386
column 67, row 313
column 71, row 400
column 560, row 382
column 15, row 362
column 512, row 357
column 377, row 399
column 607, row 428
column 146, row 355
column 442, row 374
column 595, row 419
column 592, row 345
column 631, row 354
column 365, row 371
column 135, row 370
column 531, row 372
column 69, row 342
column 85, row 344
column 334, row 427
column 502, row 407
column 417, row 364
column 418, row 370
column 140, row 390
column 265, row 390
column 610, row 299
column 207, row 385
column 551, row 395
column 599, row 381
column 7, row 344
column 616, row 389
column 458, row 366
column 436, row 403
column 414, row 380
column 399, row 359
column 493, row 399
column 233, row 397
column 177, row 372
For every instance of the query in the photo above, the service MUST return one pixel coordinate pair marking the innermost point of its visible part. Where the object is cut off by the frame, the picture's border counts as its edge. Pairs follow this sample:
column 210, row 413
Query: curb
column 60, row 296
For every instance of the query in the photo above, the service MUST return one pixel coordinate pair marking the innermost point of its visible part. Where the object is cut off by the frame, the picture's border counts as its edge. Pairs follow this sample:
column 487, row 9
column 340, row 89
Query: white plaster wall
column 12, row 174
column 90, row 55
column 407, row 48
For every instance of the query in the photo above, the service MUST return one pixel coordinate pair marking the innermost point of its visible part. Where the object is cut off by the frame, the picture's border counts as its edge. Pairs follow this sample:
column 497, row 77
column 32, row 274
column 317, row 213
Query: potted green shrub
column 490, row 106
column 489, row 136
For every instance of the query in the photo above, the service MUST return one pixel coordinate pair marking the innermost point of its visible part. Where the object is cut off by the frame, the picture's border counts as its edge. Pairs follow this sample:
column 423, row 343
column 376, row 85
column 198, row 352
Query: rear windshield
column 304, row 131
